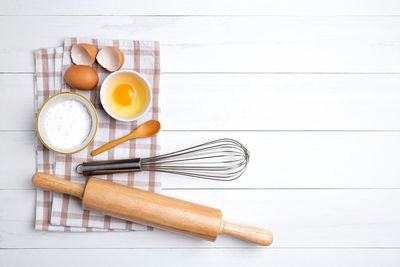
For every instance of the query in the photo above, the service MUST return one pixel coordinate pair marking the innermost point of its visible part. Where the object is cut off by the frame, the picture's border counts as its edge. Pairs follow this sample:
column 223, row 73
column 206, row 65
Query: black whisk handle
column 109, row 166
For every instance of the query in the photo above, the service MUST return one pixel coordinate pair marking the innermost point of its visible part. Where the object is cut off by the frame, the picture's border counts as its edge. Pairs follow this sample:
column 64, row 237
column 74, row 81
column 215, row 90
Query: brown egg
column 81, row 77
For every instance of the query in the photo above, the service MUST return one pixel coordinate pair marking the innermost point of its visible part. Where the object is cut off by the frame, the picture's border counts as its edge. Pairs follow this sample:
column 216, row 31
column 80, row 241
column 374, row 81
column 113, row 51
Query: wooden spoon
column 147, row 129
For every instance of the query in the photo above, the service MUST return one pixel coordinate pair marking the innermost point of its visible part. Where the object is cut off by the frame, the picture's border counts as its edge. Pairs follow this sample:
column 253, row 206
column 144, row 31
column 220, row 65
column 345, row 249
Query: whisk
column 223, row 160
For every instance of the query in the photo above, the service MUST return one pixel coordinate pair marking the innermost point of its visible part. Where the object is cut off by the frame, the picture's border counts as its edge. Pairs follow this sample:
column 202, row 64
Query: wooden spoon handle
column 252, row 234
column 112, row 144
column 49, row 182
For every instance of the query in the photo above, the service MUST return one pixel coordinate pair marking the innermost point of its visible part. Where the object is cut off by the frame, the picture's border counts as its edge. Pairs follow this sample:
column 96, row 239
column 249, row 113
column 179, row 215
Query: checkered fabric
column 59, row 212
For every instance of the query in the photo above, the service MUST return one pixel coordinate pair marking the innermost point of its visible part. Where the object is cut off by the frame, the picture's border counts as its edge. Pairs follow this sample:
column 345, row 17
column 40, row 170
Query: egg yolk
column 124, row 95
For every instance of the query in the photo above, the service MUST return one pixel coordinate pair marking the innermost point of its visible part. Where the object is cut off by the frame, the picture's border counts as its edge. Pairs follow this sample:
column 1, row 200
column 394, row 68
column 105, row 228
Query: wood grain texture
column 254, row 101
column 206, row 7
column 151, row 209
column 223, row 44
column 203, row 257
column 49, row 182
column 17, row 88
column 147, row 129
column 298, row 218
column 252, row 234
column 277, row 159
column 310, row 36
column 111, row 144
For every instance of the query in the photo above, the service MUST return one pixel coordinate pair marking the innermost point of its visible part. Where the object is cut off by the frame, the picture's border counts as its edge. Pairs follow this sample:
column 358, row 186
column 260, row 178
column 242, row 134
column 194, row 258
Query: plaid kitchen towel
column 65, row 212
column 48, row 63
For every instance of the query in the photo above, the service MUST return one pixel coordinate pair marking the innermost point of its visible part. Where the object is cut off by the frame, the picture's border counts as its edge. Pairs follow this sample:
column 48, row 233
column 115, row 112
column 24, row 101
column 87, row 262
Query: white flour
column 66, row 124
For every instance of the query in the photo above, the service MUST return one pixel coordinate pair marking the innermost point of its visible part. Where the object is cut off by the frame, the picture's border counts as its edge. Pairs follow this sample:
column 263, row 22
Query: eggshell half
column 81, row 77
column 110, row 58
column 83, row 54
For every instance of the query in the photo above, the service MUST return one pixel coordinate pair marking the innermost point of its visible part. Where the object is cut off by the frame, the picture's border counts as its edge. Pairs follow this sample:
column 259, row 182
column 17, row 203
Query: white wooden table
column 312, row 88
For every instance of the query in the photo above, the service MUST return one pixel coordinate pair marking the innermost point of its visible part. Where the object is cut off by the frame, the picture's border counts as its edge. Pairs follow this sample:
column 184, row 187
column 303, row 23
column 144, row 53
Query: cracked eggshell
column 110, row 58
column 83, row 54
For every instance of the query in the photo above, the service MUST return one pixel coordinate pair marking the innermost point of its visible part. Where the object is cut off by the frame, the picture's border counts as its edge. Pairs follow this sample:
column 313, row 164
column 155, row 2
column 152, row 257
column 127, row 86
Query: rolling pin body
column 151, row 209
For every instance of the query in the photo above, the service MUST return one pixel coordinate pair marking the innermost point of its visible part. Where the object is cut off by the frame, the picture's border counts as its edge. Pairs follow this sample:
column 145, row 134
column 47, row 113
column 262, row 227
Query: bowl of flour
column 67, row 123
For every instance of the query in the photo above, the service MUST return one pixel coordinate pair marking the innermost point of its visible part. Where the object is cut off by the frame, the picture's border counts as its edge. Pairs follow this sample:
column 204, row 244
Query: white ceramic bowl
column 105, row 87
column 60, row 98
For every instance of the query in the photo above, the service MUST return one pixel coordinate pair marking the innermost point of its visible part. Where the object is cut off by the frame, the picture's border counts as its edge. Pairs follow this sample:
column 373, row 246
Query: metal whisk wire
column 223, row 160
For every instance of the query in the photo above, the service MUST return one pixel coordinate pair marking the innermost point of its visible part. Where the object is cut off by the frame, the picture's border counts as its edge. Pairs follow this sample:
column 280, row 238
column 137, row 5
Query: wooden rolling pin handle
column 252, row 234
column 111, row 144
column 49, row 182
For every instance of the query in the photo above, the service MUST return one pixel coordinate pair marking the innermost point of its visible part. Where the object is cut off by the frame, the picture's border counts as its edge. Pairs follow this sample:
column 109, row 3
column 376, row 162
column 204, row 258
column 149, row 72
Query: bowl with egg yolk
column 125, row 95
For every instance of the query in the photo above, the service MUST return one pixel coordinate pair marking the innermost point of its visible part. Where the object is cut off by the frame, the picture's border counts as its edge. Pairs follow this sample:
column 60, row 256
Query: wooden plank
column 201, row 257
column 278, row 159
column 249, row 102
column 223, row 44
column 281, row 102
column 16, row 102
column 17, row 158
column 298, row 218
column 206, row 7
column 302, row 159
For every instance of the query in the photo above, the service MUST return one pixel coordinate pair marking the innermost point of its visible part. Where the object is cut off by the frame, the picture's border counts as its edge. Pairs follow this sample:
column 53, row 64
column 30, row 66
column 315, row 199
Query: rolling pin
column 151, row 209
